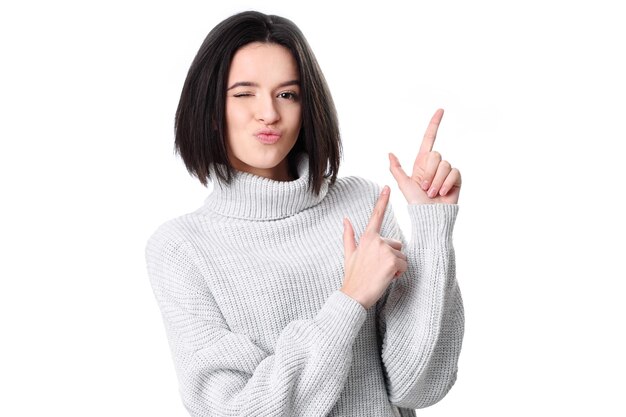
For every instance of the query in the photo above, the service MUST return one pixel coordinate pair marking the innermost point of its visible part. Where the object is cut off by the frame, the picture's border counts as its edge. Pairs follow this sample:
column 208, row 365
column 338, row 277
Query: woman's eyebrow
column 251, row 84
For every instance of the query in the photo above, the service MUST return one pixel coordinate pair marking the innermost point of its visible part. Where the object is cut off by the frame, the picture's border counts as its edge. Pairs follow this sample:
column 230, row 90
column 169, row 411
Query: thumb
column 349, row 245
column 397, row 171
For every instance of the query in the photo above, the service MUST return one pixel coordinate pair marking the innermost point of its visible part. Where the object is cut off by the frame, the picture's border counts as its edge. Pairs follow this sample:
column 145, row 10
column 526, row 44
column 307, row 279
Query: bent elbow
column 427, row 393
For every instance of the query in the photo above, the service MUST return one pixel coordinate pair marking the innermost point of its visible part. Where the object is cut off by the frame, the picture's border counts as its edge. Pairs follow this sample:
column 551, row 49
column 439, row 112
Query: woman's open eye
column 290, row 95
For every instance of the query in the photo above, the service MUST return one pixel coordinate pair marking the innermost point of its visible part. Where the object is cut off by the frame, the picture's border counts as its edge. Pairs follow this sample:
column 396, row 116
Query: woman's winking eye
column 242, row 94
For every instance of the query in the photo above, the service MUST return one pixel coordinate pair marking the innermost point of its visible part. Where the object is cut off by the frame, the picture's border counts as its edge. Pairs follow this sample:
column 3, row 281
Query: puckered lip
column 267, row 131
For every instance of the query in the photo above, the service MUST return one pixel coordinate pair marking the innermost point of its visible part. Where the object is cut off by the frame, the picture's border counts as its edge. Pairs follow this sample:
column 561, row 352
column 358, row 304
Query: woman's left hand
column 433, row 180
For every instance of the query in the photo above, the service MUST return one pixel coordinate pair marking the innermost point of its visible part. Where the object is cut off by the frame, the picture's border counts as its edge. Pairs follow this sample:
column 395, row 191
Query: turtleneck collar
column 253, row 197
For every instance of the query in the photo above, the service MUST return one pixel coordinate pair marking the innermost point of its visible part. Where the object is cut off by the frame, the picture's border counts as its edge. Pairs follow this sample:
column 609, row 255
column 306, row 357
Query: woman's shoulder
column 357, row 185
column 179, row 230
column 354, row 194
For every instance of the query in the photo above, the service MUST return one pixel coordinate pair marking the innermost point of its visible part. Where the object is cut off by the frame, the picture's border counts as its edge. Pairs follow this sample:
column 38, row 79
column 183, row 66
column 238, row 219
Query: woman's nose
column 266, row 111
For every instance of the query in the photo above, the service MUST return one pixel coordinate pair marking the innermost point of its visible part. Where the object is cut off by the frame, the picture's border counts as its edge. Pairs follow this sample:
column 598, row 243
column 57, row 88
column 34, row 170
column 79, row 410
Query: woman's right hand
column 370, row 267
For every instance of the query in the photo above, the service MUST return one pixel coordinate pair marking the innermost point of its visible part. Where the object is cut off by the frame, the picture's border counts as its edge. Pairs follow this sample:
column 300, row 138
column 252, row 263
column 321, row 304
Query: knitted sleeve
column 420, row 318
column 222, row 373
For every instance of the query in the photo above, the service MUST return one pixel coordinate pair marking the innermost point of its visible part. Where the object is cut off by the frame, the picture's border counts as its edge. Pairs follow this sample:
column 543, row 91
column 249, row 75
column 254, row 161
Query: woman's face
column 263, row 109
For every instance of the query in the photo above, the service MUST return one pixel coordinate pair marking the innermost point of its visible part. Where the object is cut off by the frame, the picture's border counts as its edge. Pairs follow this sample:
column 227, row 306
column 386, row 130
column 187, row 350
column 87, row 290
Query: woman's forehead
column 262, row 62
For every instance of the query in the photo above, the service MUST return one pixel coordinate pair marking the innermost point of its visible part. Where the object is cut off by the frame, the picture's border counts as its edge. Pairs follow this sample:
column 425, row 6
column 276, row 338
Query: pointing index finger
column 431, row 133
column 376, row 220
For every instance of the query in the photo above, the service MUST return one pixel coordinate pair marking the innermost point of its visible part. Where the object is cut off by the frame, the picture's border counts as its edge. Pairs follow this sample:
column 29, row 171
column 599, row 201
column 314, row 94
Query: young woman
column 292, row 292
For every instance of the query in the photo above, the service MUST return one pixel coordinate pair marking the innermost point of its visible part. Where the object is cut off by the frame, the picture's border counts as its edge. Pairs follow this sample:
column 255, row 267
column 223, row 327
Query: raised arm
column 222, row 373
column 421, row 319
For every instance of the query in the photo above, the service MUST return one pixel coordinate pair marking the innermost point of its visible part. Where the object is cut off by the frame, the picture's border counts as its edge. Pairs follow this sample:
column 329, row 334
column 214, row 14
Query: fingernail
column 432, row 192
column 443, row 191
column 385, row 190
column 425, row 185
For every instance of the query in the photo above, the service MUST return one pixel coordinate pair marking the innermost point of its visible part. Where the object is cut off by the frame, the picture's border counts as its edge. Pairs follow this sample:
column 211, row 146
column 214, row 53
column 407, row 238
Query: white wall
column 534, row 94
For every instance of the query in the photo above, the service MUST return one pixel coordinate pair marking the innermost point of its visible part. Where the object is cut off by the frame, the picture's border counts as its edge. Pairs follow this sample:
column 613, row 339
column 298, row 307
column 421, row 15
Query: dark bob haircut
column 200, row 125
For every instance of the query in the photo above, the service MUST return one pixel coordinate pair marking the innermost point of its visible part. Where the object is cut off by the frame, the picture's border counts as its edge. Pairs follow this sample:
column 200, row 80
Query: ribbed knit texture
column 248, row 286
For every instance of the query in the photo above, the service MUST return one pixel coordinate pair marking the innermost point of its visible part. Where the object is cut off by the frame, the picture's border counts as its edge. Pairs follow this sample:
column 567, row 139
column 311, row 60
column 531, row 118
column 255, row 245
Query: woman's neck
column 255, row 197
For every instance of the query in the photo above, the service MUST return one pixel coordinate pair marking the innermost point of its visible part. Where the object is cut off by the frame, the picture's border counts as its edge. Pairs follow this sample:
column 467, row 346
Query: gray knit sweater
column 248, row 286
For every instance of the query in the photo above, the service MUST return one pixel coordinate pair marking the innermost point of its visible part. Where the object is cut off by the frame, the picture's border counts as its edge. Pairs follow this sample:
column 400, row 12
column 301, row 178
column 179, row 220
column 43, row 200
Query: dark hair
column 200, row 124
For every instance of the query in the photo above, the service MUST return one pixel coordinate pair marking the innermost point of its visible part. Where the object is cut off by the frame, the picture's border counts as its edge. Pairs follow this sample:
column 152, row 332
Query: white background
column 534, row 94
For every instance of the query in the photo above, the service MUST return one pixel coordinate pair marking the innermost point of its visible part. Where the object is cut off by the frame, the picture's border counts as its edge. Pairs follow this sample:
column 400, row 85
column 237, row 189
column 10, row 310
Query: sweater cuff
column 432, row 224
column 341, row 317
